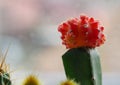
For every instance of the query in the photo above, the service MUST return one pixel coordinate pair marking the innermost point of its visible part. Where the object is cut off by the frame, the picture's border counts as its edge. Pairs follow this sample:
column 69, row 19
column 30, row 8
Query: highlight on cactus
column 4, row 71
column 81, row 62
column 69, row 82
column 31, row 80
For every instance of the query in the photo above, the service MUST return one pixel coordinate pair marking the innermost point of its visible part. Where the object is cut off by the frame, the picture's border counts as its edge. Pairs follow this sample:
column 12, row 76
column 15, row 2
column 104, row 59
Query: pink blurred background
column 31, row 27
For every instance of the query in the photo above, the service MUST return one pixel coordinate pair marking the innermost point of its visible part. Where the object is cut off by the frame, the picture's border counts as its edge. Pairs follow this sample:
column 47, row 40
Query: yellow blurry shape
column 31, row 80
column 69, row 82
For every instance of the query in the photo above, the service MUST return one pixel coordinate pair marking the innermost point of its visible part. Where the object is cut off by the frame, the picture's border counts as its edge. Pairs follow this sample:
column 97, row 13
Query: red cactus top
column 82, row 32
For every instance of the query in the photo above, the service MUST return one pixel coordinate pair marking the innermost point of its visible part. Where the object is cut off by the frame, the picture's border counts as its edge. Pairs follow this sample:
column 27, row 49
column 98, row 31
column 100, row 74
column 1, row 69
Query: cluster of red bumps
column 82, row 32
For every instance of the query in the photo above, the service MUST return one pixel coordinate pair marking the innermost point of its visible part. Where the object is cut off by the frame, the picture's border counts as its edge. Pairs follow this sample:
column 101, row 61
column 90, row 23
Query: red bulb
column 82, row 32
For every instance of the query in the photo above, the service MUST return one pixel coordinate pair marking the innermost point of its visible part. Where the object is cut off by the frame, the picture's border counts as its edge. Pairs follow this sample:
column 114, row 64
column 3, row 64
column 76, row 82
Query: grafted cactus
column 81, row 62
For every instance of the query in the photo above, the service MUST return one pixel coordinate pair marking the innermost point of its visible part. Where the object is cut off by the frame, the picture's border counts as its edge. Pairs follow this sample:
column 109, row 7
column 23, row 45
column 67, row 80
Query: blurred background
column 31, row 28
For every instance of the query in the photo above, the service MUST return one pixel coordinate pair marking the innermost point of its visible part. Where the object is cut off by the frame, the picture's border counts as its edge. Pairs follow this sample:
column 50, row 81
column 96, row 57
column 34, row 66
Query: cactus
column 69, row 82
column 83, row 65
column 31, row 80
column 81, row 62
column 4, row 74
column 5, row 79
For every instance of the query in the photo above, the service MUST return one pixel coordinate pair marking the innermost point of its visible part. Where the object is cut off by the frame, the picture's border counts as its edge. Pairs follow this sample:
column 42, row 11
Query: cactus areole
column 82, row 62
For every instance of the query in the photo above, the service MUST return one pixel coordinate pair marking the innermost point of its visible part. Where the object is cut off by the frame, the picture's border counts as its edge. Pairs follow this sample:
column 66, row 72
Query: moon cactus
column 82, row 62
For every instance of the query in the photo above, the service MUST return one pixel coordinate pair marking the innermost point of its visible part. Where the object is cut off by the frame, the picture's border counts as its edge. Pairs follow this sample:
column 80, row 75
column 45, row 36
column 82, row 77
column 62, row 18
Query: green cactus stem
column 5, row 79
column 83, row 65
